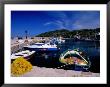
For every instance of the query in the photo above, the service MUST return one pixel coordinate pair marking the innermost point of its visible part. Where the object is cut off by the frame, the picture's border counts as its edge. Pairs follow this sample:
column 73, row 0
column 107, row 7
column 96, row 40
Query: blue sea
column 50, row 59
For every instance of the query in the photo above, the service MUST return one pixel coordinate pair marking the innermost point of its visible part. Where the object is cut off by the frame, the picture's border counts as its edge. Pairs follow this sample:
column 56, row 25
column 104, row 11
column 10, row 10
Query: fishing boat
column 75, row 57
column 57, row 40
column 26, row 54
column 42, row 47
column 60, row 40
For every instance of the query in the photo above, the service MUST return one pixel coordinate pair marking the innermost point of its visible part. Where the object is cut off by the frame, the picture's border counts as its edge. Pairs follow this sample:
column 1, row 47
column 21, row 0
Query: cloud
column 75, row 19
column 87, row 20
column 59, row 24
column 57, row 14
column 48, row 23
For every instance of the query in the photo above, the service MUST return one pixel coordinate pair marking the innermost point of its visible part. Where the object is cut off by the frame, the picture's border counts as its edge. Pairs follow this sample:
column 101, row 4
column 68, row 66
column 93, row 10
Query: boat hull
column 25, row 54
column 41, row 49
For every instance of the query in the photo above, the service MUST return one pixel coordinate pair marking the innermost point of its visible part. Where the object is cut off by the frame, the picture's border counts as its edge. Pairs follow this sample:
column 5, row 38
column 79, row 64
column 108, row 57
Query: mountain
column 70, row 33
column 55, row 33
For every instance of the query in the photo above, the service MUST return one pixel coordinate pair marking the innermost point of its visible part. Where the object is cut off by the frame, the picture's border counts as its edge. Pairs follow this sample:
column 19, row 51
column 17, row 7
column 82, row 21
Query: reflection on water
column 51, row 58
column 90, row 47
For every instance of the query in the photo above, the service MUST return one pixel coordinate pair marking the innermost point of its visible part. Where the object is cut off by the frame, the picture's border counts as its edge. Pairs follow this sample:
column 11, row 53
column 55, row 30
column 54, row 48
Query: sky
column 36, row 22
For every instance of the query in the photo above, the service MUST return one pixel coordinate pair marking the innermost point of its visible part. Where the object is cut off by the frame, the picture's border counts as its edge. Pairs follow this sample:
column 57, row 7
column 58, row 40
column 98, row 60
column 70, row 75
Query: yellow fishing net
column 20, row 66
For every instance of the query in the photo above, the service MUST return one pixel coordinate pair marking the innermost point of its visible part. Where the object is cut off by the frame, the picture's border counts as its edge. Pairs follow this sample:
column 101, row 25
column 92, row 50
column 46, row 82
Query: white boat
column 41, row 46
column 58, row 40
column 61, row 40
column 26, row 54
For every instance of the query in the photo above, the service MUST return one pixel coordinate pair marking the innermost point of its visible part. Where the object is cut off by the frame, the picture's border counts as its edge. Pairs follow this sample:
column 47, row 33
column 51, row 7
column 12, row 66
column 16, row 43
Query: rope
column 71, row 64
column 63, row 66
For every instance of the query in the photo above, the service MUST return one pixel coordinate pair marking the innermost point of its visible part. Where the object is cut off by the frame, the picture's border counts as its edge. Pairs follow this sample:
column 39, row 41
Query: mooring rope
column 71, row 64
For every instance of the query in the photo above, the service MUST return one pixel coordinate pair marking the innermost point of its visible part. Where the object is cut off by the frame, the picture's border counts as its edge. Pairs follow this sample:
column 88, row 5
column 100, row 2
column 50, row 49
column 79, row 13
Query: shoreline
column 17, row 45
column 50, row 72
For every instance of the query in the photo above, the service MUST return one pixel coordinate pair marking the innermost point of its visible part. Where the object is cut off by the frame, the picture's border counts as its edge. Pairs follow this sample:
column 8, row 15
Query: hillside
column 83, row 33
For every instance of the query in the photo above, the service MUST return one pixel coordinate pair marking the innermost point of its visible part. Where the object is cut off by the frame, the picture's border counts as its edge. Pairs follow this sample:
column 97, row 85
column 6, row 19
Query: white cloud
column 48, row 23
column 87, row 20
column 84, row 19
column 57, row 23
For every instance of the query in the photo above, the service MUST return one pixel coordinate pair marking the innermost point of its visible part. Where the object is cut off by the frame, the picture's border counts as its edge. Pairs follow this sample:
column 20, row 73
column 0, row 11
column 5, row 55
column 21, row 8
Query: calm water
column 50, row 59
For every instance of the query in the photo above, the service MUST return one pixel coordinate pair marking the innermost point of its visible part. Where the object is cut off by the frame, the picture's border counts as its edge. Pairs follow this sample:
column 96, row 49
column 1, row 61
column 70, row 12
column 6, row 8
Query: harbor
column 49, row 43
column 17, row 44
column 50, row 58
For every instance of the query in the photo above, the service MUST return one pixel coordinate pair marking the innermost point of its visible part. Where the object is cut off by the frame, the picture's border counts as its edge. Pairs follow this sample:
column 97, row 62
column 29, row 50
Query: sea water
column 50, row 59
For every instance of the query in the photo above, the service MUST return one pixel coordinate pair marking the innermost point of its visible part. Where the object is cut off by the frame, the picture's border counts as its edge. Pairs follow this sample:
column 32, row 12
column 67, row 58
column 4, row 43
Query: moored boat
column 76, row 58
column 25, row 54
column 42, row 46
column 58, row 40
